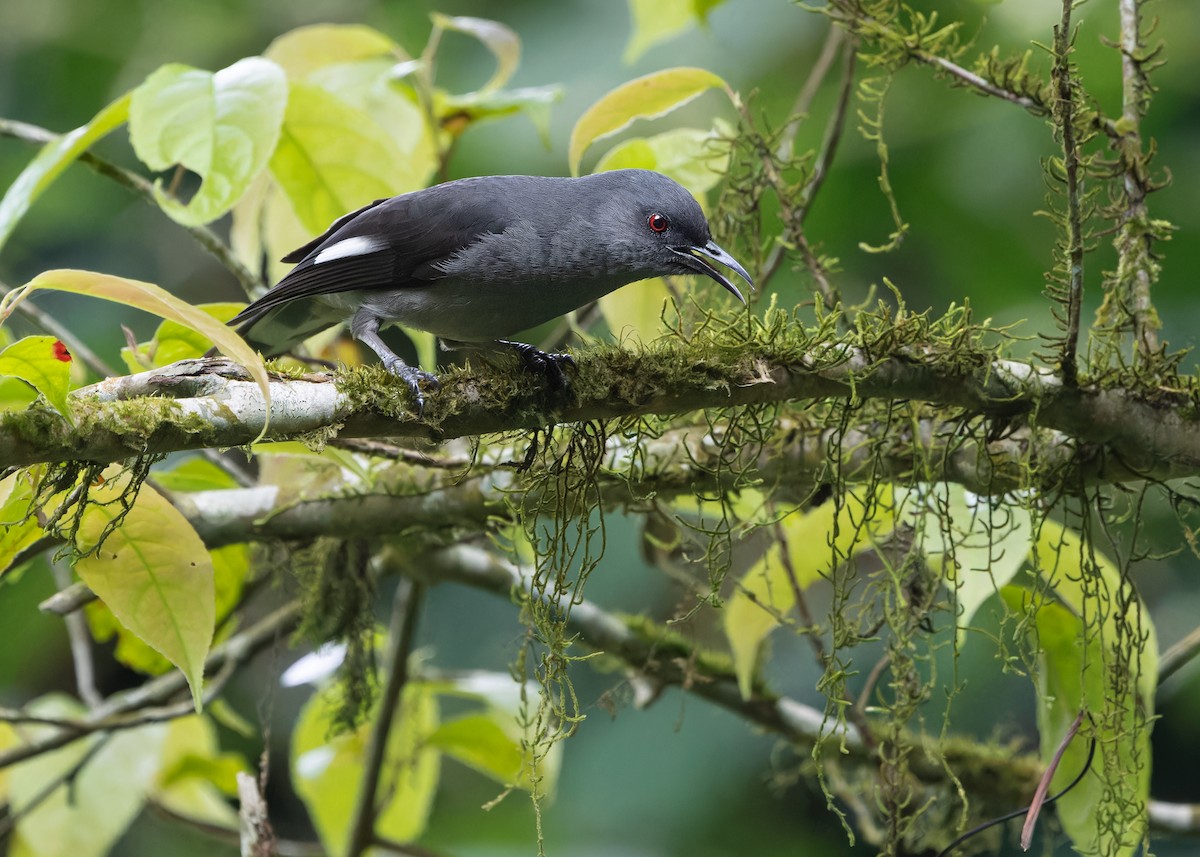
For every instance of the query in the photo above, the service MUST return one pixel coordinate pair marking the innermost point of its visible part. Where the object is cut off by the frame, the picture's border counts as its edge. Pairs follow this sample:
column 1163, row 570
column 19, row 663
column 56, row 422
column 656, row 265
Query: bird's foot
column 413, row 379
column 546, row 363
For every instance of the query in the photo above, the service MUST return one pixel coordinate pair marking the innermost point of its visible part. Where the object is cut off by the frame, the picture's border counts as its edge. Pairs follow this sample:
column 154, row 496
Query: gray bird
column 480, row 259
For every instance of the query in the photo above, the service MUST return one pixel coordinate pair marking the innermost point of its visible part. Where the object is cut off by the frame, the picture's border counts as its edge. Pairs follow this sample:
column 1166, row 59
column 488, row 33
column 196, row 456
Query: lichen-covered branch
column 1117, row 433
column 1071, row 245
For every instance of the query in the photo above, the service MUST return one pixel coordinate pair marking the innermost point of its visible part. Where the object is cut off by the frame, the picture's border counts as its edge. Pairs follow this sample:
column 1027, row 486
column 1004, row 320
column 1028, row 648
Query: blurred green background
column 681, row 777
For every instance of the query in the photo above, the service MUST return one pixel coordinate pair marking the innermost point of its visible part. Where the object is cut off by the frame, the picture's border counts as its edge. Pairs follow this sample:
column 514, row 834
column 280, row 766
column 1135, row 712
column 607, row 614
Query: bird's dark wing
column 389, row 244
column 300, row 252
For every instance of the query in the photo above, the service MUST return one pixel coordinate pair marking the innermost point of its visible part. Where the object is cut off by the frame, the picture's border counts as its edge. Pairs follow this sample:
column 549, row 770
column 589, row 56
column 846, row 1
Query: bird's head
column 670, row 234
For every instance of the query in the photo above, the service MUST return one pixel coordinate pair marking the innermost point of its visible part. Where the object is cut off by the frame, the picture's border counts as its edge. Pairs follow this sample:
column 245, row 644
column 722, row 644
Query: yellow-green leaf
column 479, row 741
column 18, row 529
column 53, row 158
column 221, row 126
column 816, row 540
column 327, row 770
column 306, row 49
column 44, row 363
column 195, row 776
column 174, row 341
column 636, row 308
column 647, row 97
column 157, row 301
column 656, row 21
column 504, row 44
column 152, row 572
column 695, row 158
column 332, row 158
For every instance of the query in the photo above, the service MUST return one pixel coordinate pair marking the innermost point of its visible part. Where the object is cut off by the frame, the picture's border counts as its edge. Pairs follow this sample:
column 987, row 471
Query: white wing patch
column 359, row 245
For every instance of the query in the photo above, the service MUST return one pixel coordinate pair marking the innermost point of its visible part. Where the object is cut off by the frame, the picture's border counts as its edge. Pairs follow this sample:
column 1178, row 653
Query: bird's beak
column 688, row 256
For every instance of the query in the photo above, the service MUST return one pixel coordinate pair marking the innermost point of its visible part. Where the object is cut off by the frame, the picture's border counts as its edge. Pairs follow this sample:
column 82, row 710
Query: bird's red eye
column 658, row 222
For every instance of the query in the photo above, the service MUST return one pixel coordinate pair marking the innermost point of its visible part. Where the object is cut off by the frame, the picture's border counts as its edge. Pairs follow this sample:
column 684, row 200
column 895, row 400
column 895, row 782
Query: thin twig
column 974, row 831
column 793, row 216
column 405, row 610
column 379, row 449
column 808, row 92
column 1179, row 655
column 974, row 81
column 833, row 131
column 204, row 236
column 81, row 645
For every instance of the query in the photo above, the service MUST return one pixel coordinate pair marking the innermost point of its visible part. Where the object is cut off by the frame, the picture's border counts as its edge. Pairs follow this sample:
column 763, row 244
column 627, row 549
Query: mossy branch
column 197, row 404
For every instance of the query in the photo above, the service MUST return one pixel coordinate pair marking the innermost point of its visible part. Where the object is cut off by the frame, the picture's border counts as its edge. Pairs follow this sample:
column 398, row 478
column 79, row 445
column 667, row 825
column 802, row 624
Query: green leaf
column 152, row 572
column 44, row 363
column 656, row 21
column 18, row 529
column 647, row 97
column 1098, row 651
column 85, row 815
column 53, row 158
column 533, row 101
column 816, row 540
column 498, row 741
column 696, row 159
column 327, row 770
column 221, row 126
column 155, row 300
column 503, row 42
column 332, row 158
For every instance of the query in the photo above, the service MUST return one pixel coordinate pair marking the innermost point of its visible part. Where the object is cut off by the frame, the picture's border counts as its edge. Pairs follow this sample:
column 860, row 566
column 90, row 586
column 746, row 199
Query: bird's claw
column 547, row 363
column 413, row 378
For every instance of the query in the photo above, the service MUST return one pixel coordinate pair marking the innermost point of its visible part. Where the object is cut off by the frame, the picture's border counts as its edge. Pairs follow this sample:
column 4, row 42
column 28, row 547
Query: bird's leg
column 365, row 328
column 547, row 363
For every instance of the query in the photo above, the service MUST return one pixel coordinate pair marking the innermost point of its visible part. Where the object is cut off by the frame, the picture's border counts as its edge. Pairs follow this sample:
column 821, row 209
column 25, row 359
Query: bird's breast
column 477, row 311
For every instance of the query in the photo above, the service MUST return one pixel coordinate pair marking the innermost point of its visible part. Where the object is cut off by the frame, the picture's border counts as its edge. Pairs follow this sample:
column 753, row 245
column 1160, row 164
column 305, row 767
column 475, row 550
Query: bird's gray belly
column 472, row 312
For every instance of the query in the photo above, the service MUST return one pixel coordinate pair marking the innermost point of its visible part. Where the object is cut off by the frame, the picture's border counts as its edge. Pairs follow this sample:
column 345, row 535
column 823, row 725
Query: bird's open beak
column 688, row 256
